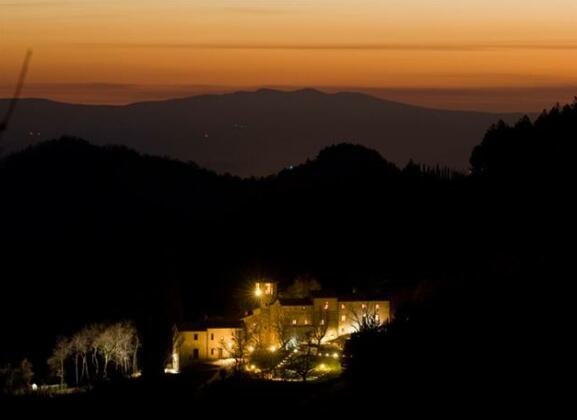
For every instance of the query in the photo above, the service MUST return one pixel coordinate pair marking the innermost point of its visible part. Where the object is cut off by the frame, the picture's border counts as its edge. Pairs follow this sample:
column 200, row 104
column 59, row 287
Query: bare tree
column 116, row 344
column 128, row 341
column 94, row 331
column 238, row 348
column 302, row 362
column 83, row 346
column 25, row 374
column 57, row 362
column 257, row 332
column 177, row 341
column 80, row 347
column 319, row 326
column 122, row 336
column 367, row 319
column 283, row 330
column 106, row 345
column 16, row 380
column 135, row 349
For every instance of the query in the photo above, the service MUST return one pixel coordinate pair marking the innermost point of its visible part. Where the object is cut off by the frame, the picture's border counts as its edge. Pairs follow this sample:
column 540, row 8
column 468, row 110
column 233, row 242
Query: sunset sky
column 465, row 54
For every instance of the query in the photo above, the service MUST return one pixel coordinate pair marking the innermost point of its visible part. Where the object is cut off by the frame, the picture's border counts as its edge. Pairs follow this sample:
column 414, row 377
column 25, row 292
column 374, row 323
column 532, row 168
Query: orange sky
column 476, row 54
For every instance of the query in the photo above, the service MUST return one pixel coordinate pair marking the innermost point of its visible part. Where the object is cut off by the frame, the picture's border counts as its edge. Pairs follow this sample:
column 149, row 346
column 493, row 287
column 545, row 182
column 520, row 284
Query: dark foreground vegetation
column 479, row 266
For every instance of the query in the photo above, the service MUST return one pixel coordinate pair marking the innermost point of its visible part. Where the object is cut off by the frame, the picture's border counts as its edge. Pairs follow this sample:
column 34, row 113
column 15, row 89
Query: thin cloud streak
column 37, row 4
column 336, row 47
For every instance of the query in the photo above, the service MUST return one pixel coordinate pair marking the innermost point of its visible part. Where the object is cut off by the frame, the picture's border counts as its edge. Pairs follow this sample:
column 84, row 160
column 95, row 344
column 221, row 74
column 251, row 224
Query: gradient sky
column 476, row 54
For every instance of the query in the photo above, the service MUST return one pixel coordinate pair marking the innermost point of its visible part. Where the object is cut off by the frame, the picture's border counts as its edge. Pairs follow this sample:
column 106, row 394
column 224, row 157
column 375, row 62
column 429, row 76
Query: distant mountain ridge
column 261, row 132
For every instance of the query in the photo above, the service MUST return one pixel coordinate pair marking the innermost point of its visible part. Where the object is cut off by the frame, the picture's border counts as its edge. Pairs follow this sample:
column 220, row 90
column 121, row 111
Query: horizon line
column 373, row 92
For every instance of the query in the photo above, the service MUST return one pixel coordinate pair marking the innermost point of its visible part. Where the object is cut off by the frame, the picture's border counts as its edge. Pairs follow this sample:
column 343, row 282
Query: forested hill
column 92, row 233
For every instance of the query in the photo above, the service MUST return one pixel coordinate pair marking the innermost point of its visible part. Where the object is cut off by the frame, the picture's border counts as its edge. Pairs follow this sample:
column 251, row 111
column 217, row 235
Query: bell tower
column 265, row 292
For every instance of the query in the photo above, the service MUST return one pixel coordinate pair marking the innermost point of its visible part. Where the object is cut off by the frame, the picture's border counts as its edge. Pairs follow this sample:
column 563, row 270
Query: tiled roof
column 204, row 325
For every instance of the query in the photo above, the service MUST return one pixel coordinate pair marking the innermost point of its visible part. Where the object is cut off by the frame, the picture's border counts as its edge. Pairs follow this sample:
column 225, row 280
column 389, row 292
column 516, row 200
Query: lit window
column 294, row 321
column 326, row 305
column 342, row 306
column 195, row 337
column 377, row 306
column 364, row 306
column 306, row 322
column 322, row 322
column 343, row 318
column 378, row 318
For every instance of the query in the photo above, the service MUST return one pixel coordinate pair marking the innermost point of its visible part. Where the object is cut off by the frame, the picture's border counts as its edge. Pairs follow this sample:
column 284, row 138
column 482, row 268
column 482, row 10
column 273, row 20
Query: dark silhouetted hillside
column 92, row 233
column 262, row 132
column 543, row 149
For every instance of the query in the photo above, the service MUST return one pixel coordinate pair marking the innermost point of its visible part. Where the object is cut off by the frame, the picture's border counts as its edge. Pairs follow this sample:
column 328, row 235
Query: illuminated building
column 336, row 316
column 209, row 340
column 275, row 321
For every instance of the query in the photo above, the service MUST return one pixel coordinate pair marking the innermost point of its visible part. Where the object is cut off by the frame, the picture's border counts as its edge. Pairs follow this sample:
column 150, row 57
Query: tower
column 265, row 292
